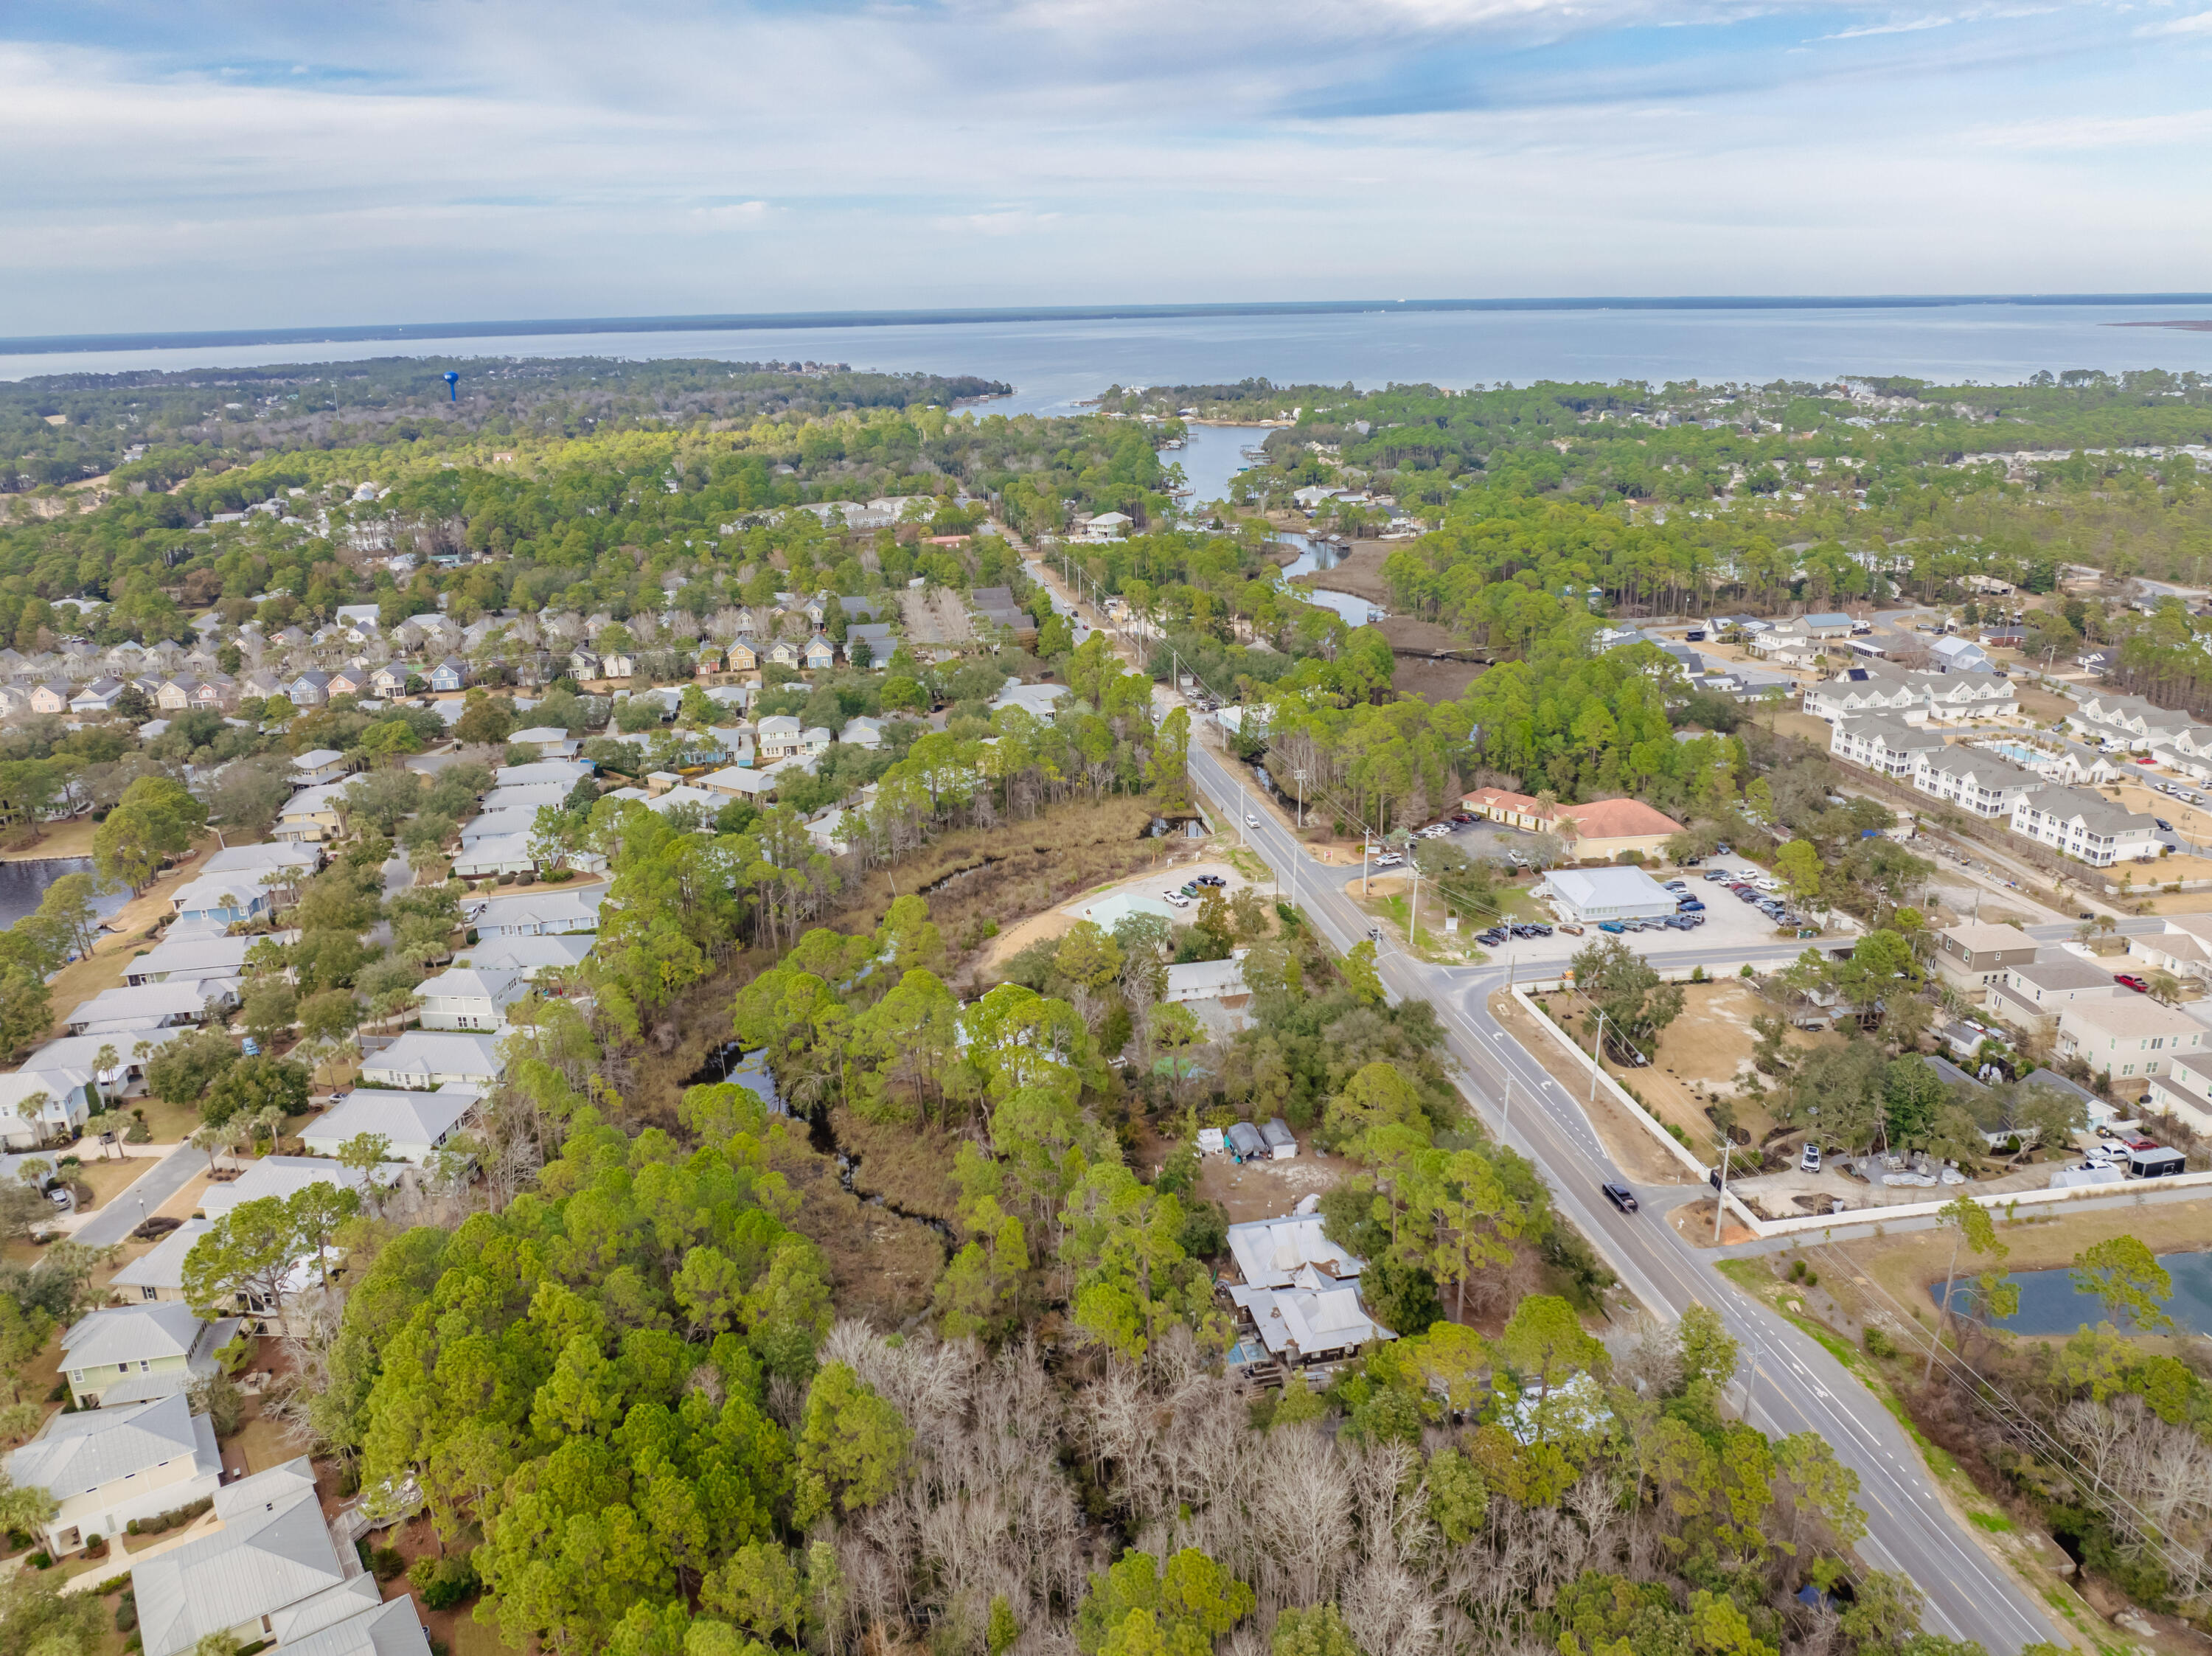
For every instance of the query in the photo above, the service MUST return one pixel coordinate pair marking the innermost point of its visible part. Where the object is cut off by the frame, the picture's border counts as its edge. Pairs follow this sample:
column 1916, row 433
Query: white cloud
column 569, row 158
column 2200, row 24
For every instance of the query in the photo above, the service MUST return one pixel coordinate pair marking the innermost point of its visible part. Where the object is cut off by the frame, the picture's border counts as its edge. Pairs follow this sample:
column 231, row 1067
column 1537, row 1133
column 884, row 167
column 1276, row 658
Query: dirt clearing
column 1639, row 1155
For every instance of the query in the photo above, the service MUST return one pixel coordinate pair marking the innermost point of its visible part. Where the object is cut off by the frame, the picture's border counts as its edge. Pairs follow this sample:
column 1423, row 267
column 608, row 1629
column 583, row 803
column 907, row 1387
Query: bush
column 386, row 1562
column 117, row 1584
column 42, row 1560
column 1879, row 1344
column 444, row 1583
column 126, row 1615
column 95, row 1546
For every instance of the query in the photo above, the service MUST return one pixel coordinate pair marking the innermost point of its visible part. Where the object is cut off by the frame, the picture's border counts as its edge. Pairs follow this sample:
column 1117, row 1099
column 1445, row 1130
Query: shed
column 1245, row 1142
column 1282, row 1143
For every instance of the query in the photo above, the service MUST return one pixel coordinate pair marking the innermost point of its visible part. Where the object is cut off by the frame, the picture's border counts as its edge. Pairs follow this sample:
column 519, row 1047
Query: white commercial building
column 1591, row 895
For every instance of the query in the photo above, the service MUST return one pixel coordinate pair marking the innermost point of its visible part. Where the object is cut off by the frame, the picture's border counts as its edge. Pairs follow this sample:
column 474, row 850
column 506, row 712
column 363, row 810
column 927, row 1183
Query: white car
column 1250, row 821
column 1436, row 831
column 1810, row 1162
column 1389, row 859
column 1171, row 896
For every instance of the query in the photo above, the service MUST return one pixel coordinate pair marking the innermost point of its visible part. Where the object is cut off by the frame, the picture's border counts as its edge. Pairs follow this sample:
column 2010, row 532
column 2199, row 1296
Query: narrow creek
column 732, row 1063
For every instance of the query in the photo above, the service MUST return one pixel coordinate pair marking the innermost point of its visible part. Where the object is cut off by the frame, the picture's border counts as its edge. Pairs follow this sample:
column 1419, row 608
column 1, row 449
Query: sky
column 205, row 165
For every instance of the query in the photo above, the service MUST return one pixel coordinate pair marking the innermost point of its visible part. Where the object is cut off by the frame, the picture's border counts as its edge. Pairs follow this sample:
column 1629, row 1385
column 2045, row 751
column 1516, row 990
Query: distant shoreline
column 2189, row 327
column 408, row 332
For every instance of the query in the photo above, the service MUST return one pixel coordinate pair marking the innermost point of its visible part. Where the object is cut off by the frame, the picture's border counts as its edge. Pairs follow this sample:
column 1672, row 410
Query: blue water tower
column 453, row 386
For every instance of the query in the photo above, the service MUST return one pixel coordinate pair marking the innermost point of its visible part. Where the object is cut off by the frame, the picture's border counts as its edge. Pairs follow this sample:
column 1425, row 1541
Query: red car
column 2135, row 984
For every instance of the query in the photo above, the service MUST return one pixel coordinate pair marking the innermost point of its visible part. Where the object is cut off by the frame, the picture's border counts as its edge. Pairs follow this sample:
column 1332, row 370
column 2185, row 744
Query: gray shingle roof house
column 272, row 1572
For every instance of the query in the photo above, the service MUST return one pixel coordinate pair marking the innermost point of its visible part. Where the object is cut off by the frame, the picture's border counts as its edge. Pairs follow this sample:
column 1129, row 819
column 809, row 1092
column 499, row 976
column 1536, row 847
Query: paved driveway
column 114, row 1222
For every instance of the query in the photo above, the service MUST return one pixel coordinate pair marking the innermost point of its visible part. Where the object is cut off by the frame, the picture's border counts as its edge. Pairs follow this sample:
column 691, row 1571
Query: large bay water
column 1054, row 365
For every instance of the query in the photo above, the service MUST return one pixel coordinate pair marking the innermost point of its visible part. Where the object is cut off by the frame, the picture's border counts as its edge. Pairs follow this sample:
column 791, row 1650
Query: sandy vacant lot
column 1172, row 874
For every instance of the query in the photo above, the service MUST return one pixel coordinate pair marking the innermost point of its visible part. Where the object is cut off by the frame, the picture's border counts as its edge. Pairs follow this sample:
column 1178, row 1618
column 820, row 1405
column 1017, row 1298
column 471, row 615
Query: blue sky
column 208, row 166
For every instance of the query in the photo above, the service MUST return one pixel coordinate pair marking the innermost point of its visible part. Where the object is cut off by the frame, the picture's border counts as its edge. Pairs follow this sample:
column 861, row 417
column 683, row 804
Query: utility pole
column 1300, row 775
column 1720, row 1202
column 1597, row 1054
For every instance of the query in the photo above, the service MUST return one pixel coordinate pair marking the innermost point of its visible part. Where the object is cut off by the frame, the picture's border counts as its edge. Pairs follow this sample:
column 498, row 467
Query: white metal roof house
column 492, row 854
column 134, row 1353
column 224, row 899
column 1271, row 1252
column 144, row 1006
column 63, row 1111
column 539, row 914
column 272, row 1573
column 528, row 955
column 1205, row 980
column 414, row 1125
column 105, row 1467
column 319, row 766
column 159, row 1273
column 424, row 1060
column 1314, row 1317
column 278, row 1175
column 465, row 998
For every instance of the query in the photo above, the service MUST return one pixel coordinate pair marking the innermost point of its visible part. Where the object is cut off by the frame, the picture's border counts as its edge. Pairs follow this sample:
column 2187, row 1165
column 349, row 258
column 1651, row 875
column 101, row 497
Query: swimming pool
column 2020, row 753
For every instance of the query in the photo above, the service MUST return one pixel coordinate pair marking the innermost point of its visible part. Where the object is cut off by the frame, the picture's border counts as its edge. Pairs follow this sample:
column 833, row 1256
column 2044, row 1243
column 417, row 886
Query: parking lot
column 1731, row 925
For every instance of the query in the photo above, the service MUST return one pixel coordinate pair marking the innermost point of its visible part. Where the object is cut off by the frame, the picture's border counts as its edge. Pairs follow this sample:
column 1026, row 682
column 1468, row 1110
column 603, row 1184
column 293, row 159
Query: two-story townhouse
column 1882, row 742
column 45, row 1102
column 1859, row 691
column 1975, row 957
column 1977, row 782
column 2127, row 1038
column 2085, row 826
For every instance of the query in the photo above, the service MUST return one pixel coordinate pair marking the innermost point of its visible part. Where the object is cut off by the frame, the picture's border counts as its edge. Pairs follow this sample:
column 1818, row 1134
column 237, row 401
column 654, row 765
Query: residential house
column 741, row 655
column 193, row 956
column 282, row 1176
column 2129, row 1038
column 390, row 680
column 311, row 816
column 2183, row 948
column 529, row 956
column 1977, row 782
column 147, row 1006
column 132, row 1353
column 52, row 697
column 618, row 664
column 271, row 1571
column 862, row 732
column 223, row 900
column 262, row 682
column 319, row 766
column 551, row 741
column 81, row 1053
column 309, row 689
column 870, row 645
column 2030, row 995
column 821, row 654
column 106, row 1468
column 779, row 735
column 462, row 998
column 414, row 1125
column 1975, row 957
column 539, row 913
column 738, row 782
column 1882, row 742
column 2085, row 826
column 1040, row 699
column 1958, row 655
column 97, row 697
column 424, row 1060
column 348, row 681
column 487, row 856
column 2182, row 1089
column 565, row 772
column 583, row 663
column 449, row 675
column 177, row 694
column 782, row 653
column 56, row 1093
column 527, row 796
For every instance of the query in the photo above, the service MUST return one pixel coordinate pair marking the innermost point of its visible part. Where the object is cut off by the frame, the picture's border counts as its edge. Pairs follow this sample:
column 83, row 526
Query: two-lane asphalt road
column 1794, row 1386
